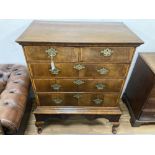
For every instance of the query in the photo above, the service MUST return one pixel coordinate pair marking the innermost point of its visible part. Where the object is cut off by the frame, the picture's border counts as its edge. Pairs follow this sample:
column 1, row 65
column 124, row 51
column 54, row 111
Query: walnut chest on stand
column 78, row 68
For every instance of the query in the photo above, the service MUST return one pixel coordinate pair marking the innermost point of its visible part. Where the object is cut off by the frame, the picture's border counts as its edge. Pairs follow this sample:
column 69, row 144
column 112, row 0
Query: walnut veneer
column 78, row 67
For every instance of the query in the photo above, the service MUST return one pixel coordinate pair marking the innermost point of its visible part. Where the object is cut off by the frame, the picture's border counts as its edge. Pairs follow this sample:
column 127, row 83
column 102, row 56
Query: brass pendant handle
column 57, row 100
column 100, row 86
column 103, row 71
column 78, row 82
column 56, row 86
column 54, row 71
column 77, row 96
column 106, row 52
column 51, row 52
column 98, row 101
column 79, row 67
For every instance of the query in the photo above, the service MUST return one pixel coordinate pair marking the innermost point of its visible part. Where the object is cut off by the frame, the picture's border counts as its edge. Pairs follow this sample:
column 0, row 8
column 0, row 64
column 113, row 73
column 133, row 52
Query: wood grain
column 41, row 70
column 119, row 54
column 67, row 85
column 78, row 32
column 79, row 43
column 86, row 99
column 64, row 54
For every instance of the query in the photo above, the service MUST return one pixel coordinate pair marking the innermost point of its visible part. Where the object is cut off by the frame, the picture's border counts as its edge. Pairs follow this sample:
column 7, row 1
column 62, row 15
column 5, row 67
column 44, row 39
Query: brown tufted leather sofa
column 14, row 89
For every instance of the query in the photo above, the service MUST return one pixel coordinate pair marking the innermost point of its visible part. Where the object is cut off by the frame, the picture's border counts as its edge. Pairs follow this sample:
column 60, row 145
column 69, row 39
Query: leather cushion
column 14, row 87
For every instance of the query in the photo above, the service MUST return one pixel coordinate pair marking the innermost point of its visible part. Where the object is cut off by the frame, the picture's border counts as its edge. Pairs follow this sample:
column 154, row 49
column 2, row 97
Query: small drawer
column 78, row 99
column 107, row 54
column 44, row 53
column 81, row 85
column 64, row 70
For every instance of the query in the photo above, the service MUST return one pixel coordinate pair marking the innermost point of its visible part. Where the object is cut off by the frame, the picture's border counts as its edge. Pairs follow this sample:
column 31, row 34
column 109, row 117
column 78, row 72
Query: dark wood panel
column 107, row 54
column 78, row 99
column 150, row 104
column 63, row 54
column 152, row 94
column 138, row 87
column 68, row 85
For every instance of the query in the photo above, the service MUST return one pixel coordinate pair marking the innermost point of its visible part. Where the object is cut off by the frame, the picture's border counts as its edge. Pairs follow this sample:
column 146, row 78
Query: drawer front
column 104, row 71
column 60, row 54
column 78, row 99
column 85, row 71
column 107, row 54
column 80, row 85
column 43, row 70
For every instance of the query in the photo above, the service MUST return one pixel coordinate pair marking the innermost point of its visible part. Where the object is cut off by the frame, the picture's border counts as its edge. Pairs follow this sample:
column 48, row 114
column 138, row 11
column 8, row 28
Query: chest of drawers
column 78, row 67
column 140, row 92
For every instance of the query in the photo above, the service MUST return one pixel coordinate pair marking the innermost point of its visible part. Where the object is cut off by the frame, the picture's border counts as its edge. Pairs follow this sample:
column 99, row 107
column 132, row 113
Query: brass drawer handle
column 56, row 86
column 97, row 101
column 103, row 71
column 54, row 71
column 100, row 86
column 51, row 52
column 77, row 96
column 79, row 66
column 78, row 82
column 57, row 100
column 106, row 52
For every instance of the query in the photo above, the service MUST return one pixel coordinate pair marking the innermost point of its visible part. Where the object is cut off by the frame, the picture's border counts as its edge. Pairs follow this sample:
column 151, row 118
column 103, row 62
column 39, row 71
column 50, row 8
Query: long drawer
column 78, row 99
column 85, row 54
column 80, row 85
column 82, row 70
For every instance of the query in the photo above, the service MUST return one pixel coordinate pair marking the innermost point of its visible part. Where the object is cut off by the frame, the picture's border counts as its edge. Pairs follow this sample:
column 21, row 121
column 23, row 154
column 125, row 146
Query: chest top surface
column 78, row 33
column 149, row 59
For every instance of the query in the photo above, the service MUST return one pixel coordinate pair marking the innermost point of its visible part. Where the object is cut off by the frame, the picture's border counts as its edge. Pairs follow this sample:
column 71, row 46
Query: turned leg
column 114, row 119
column 114, row 127
column 39, row 125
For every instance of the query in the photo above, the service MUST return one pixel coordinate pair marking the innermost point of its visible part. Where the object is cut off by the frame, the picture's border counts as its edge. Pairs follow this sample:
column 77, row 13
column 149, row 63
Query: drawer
column 78, row 99
column 42, row 53
column 81, row 85
column 43, row 70
column 107, row 54
column 65, row 70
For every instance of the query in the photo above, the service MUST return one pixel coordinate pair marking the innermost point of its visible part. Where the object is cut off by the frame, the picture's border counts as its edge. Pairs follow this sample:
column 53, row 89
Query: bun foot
column 39, row 130
column 114, row 128
column 39, row 126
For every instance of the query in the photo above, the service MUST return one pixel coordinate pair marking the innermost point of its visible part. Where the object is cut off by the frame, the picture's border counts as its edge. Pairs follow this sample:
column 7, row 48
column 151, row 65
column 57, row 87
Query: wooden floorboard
column 80, row 125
